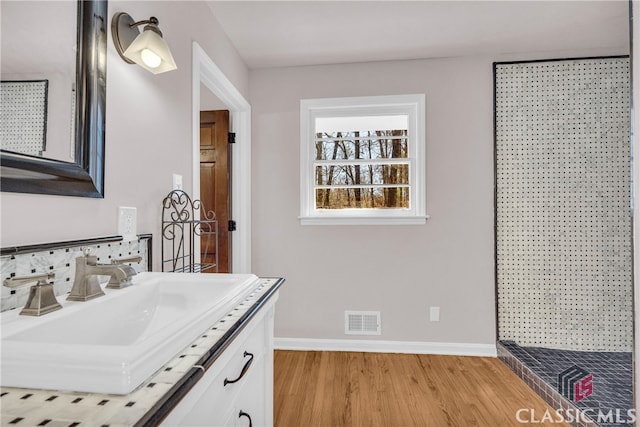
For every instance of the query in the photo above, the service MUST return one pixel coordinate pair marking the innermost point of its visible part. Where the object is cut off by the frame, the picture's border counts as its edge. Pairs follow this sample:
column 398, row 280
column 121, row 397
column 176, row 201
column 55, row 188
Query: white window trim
column 414, row 107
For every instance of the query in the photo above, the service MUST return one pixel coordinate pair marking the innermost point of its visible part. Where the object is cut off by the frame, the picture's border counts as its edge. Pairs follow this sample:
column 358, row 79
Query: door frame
column 206, row 72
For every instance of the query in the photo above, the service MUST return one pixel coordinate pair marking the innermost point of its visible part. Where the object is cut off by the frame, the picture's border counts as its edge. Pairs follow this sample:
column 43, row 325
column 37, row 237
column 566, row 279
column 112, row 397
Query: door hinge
column 232, row 225
column 232, row 137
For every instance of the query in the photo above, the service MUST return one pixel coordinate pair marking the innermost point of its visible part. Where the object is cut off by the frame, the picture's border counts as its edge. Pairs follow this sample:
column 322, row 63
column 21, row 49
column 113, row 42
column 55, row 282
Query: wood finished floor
column 333, row 389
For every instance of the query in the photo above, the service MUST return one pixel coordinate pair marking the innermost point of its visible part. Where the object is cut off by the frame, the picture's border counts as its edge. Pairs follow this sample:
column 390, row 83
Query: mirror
column 38, row 79
column 82, row 173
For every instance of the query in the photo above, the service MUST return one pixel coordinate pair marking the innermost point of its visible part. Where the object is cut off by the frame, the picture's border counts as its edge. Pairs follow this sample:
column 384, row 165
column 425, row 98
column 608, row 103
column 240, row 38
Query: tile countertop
column 150, row 402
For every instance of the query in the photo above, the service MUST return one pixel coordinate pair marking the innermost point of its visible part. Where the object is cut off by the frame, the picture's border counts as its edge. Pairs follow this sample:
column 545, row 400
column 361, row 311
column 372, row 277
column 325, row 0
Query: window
column 362, row 160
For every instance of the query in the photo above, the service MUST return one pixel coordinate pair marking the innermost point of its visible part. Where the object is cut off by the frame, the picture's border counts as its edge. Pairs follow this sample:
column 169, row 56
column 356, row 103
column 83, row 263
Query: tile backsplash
column 59, row 258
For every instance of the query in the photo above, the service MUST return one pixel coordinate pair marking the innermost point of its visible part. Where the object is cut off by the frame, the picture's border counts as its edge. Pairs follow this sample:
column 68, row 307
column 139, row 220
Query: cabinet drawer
column 247, row 407
column 211, row 399
column 251, row 402
column 245, row 354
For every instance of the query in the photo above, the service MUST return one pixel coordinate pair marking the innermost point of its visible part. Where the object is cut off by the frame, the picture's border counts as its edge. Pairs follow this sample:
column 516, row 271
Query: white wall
column 399, row 270
column 148, row 135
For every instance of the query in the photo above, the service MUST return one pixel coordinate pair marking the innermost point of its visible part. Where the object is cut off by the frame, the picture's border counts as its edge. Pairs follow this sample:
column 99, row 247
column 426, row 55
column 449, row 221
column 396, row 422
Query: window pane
column 364, row 123
column 362, row 198
column 365, row 174
column 385, row 144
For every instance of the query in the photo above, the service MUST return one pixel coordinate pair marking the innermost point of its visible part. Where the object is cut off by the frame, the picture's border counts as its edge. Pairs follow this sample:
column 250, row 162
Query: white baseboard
column 412, row 347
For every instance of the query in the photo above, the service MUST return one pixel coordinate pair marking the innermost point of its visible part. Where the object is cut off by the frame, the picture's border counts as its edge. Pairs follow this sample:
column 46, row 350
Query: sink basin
column 114, row 343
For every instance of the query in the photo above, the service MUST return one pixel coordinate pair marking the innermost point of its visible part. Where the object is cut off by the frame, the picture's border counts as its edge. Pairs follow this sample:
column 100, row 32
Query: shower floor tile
column 612, row 377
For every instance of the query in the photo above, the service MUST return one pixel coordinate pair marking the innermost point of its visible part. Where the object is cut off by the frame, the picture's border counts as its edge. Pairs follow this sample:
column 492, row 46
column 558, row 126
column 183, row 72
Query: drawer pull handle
column 244, row 414
column 245, row 368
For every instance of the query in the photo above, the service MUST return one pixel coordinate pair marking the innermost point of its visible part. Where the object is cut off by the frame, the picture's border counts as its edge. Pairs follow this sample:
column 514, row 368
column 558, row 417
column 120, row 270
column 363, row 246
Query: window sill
column 406, row 220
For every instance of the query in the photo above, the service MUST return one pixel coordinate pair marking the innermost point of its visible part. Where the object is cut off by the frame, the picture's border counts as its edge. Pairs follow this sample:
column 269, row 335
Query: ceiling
column 306, row 32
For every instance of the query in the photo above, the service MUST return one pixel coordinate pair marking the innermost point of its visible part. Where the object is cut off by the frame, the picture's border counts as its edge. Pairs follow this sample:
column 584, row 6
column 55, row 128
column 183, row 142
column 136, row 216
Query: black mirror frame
column 20, row 173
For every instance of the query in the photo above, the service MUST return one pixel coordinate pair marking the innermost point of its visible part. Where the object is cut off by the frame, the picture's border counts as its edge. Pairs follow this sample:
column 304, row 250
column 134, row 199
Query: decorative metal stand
column 189, row 235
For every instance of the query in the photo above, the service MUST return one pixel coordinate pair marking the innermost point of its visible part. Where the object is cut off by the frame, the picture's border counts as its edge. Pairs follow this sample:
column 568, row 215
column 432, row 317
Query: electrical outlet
column 177, row 181
column 127, row 218
column 434, row 314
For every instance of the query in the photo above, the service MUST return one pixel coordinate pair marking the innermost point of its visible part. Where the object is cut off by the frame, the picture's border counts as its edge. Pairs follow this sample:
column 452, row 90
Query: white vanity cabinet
column 237, row 389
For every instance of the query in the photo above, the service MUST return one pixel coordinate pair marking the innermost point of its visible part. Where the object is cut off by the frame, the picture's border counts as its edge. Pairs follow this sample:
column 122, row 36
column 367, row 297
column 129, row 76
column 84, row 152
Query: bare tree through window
column 362, row 169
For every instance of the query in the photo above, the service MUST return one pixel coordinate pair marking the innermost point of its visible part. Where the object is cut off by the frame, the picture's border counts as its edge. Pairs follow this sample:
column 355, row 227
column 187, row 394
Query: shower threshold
column 599, row 384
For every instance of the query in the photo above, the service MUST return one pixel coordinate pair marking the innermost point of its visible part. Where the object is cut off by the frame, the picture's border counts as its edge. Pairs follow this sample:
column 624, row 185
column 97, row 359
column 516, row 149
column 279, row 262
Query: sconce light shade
column 147, row 49
column 151, row 52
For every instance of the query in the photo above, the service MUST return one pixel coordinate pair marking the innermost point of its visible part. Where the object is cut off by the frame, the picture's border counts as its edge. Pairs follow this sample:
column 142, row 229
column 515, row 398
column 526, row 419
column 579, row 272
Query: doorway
column 206, row 74
column 215, row 182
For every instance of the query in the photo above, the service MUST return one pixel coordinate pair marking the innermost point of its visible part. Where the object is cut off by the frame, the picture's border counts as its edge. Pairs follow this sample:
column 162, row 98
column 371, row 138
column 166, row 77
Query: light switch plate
column 434, row 314
column 127, row 222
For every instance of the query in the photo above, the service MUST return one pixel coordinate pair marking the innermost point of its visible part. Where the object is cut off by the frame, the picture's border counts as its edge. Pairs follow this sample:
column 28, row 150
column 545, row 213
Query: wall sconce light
column 147, row 49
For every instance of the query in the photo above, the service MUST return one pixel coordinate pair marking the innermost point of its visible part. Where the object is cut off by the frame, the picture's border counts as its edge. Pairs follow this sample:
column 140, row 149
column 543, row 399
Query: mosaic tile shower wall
column 23, row 109
column 562, row 204
column 60, row 260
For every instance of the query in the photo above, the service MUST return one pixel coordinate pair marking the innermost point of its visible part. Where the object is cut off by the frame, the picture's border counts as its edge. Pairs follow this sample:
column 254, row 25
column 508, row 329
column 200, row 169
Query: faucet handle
column 136, row 258
column 42, row 298
column 86, row 258
column 41, row 278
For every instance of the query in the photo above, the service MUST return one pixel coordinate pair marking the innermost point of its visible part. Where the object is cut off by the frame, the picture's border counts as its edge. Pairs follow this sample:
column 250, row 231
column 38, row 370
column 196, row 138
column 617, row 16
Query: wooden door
column 215, row 182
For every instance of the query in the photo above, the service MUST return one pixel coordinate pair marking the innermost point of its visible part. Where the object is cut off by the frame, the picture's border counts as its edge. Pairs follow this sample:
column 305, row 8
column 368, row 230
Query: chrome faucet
column 86, row 285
